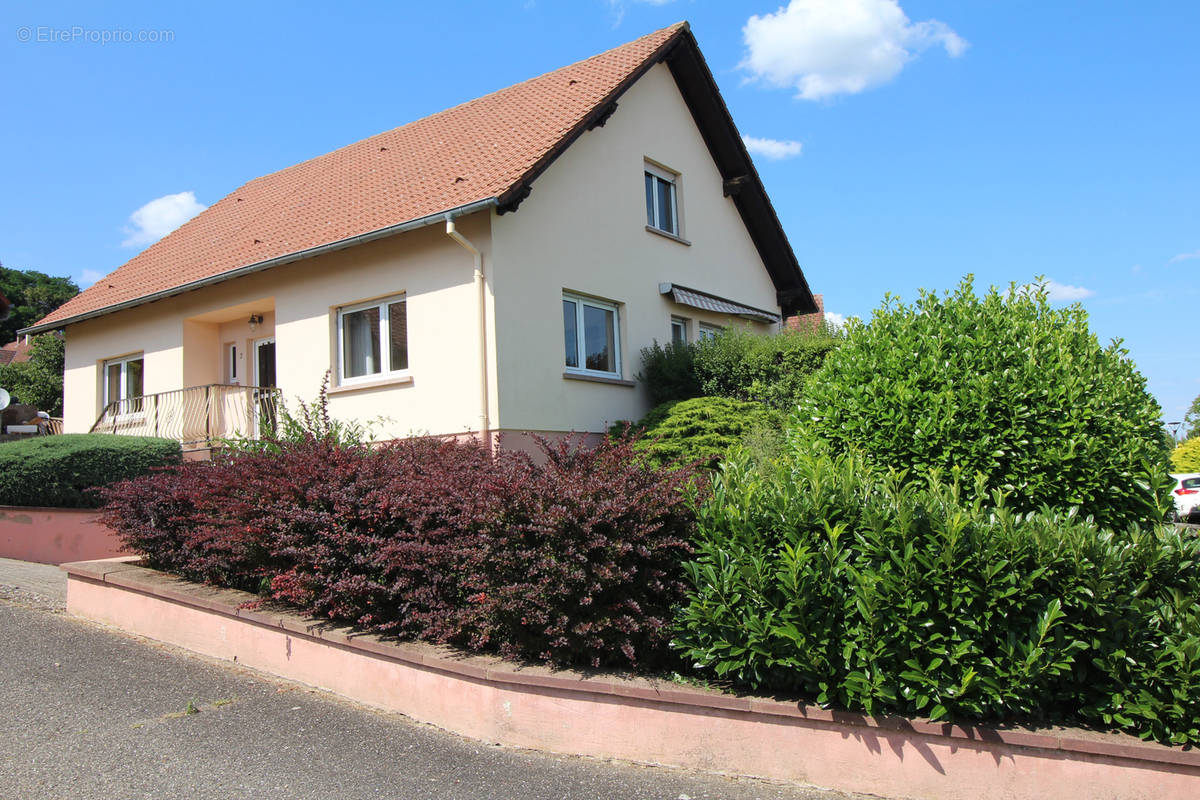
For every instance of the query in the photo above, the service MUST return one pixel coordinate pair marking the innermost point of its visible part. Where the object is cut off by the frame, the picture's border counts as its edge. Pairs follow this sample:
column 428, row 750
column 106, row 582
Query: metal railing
column 198, row 416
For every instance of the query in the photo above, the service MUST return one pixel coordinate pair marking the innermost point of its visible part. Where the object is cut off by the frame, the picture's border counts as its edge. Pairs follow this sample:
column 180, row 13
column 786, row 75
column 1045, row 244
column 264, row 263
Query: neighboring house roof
column 809, row 322
column 14, row 352
column 486, row 152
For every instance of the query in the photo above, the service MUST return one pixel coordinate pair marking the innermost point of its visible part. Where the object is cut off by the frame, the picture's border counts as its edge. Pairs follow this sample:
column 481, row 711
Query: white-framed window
column 709, row 331
column 591, row 336
column 232, row 375
column 123, row 383
column 372, row 340
column 679, row 330
column 662, row 208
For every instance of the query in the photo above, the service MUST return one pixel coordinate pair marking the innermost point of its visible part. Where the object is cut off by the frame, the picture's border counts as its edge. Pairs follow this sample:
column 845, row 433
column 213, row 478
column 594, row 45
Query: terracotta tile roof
column 15, row 352
column 472, row 152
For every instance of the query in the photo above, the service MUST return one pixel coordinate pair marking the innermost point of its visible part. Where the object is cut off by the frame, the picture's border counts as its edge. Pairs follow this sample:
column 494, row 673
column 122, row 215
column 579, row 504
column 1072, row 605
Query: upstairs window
column 123, row 383
column 372, row 340
column 590, row 336
column 662, row 211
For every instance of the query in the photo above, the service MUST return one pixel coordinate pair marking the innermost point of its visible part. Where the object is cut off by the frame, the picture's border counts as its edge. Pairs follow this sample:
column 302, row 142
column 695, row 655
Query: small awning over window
column 710, row 302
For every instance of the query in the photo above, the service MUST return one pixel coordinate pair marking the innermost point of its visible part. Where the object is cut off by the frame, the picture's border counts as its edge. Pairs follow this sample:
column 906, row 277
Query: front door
column 264, row 379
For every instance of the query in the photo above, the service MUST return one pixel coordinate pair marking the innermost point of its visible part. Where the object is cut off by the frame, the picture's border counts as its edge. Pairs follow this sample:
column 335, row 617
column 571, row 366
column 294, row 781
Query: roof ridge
column 682, row 24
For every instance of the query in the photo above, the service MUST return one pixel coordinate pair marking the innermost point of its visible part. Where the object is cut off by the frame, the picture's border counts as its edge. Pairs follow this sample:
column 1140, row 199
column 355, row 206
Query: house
column 496, row 267
column 15, row 352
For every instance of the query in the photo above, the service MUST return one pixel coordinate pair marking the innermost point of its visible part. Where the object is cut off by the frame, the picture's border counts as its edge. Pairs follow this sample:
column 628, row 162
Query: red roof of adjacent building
column 15, row 352
column 488, row 149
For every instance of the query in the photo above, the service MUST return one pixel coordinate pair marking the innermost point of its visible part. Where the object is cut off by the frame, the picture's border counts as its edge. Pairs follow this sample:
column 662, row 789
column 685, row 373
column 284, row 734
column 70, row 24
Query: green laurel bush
column 1002, row 385
column 1186, row 457
column 821, row 576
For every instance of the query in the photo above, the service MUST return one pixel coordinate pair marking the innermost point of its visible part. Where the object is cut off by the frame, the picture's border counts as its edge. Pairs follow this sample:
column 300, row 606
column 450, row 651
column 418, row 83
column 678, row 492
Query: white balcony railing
column 198, row 417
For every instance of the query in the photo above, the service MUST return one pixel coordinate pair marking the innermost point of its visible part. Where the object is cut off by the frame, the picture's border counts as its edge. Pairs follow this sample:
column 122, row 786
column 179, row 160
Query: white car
column 1187, row 496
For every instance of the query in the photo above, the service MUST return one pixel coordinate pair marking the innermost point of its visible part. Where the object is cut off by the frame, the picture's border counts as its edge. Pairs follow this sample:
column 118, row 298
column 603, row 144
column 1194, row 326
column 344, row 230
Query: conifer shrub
column 1005, row 386
column 701, row 430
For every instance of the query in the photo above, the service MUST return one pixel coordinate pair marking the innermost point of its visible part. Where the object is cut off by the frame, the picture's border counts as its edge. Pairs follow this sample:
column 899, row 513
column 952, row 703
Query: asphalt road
column 89, row 712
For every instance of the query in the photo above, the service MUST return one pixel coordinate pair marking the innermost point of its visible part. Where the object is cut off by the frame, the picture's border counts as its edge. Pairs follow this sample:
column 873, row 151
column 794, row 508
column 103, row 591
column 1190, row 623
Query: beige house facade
column 524, row 309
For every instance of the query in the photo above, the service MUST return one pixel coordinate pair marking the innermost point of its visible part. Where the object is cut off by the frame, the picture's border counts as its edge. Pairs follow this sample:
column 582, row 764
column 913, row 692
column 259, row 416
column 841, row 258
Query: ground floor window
column 373, row 340
column 709, row 331
column 123, row 383
column 591, row 336
column 679, row 333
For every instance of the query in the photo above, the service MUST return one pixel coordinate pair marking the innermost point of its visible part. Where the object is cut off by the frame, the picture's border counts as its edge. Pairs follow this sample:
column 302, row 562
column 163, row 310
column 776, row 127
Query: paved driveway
column 88, row 712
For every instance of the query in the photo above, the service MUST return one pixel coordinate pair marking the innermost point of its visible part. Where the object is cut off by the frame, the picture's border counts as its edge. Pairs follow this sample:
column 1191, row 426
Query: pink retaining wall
column 635, row 719
column 55, row 535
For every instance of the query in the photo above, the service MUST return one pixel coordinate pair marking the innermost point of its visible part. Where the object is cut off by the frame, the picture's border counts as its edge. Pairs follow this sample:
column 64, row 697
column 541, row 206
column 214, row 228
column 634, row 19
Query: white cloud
column 772, row 149
column 823, row 48
column 1062, row 292
column 1185, row 257
column 88, row 277
column 835, row 319
column 159, row 217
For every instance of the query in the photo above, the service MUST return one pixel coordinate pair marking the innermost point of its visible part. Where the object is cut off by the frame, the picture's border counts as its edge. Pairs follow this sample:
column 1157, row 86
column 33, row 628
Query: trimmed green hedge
column 866, row 590
column 771, row 369
column 60, row 471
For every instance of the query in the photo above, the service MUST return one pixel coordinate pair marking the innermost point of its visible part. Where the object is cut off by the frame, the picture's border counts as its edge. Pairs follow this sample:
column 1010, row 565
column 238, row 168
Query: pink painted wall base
column 55, row 535
column 632, row 718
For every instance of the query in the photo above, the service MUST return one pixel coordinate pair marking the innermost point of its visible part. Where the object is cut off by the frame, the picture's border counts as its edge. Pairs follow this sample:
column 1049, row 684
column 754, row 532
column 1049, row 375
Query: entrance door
column 264, row 362
column 264, row 380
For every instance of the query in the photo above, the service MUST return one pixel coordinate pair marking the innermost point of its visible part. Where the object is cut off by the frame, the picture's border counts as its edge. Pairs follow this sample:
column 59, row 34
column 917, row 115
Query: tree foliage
column 1191, row 420
column 1186, row 457
column 38, row 381
column 33, row 295
column 1004, row 386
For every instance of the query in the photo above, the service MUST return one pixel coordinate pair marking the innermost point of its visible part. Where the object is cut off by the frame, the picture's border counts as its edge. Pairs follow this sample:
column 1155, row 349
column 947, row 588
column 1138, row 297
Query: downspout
column 481, row 300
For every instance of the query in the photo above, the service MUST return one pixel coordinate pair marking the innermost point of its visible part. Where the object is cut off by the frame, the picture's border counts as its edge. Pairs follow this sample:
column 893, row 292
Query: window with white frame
column 372, row 340
column 709, row 331
column 679, row 334
column 662, row 211
column 123, row 383
column 591, row 336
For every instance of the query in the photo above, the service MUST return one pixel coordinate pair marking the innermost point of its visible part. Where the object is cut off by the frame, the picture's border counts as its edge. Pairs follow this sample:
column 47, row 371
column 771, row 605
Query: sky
column 904, row 144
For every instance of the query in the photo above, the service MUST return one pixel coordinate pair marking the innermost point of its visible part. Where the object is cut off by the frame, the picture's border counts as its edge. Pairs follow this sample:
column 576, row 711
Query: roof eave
column 742, row 182
column 341, row 244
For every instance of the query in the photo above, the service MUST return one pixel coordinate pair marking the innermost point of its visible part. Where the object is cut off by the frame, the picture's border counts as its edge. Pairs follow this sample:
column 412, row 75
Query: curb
column 630, row 718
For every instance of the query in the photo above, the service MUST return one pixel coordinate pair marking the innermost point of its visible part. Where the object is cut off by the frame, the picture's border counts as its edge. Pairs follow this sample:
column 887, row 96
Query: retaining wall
column 55, row 535
column 633, row 719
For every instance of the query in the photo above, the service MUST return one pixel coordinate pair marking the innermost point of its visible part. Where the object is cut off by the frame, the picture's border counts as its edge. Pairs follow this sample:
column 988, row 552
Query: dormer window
column 662, row 208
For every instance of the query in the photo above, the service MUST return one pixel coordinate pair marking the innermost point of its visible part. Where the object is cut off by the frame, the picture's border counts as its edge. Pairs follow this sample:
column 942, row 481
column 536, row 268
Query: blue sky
column 913, row 142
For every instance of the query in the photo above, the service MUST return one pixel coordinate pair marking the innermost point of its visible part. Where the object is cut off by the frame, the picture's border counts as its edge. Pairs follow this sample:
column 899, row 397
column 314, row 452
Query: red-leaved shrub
column 573, row 557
